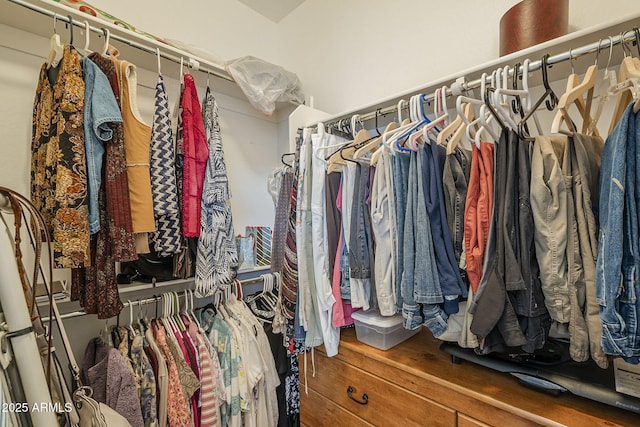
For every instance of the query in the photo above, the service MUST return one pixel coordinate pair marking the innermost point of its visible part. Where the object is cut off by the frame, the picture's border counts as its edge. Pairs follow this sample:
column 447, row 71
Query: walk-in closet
column 319, row 213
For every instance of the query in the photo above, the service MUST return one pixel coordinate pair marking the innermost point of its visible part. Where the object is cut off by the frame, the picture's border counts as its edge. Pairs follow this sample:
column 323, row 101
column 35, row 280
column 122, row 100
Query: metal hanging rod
column 571, row 54
column 150, row 300
column 195, row 62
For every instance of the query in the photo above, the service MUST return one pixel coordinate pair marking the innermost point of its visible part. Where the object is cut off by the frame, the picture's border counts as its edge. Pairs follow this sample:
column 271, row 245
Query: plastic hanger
column 501, row 95
column 87, row 38
column 419, row 108
column 550, row 103
column 158, row 59
column 56, row 48
column 471, row 123
column 105, row 46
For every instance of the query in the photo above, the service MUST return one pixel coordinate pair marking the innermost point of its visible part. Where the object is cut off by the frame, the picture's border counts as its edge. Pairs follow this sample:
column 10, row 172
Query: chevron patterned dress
column 217, row 258
column 166, row 210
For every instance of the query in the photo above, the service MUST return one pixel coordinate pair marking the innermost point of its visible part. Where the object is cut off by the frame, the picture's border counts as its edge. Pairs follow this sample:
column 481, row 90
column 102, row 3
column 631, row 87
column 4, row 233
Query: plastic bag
column 265, row 83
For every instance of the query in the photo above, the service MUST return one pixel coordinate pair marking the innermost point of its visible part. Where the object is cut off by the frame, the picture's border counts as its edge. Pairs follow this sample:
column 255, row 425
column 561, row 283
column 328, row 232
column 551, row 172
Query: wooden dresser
column 415, row 384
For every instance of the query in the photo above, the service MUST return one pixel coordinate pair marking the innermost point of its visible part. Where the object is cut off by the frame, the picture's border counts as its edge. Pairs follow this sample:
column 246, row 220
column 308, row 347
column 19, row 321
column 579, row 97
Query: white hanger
column 158, row 58
column 501, row 100
column 87, row 39
column 105, row 46
column 56, row 49
column 441, row 113
column 181, row 71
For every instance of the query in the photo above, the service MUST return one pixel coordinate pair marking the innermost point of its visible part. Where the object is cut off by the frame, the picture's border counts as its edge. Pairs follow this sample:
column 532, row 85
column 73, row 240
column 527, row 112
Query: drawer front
column 318, row 411
column 386, row 404
column 467, row 421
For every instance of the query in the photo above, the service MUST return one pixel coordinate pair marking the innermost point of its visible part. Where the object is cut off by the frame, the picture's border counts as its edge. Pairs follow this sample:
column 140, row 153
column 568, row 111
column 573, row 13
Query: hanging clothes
column 195, row 158
column 116, row 182
column 217, row 258
column 97, row 288
column 58, row 160
column 137, row 138
column 618, row 259
column 166, row 238
column 106, row 372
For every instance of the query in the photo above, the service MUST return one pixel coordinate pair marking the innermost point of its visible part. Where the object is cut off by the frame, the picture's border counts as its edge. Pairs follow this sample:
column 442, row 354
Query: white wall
column 351, row 53
column 226, row 28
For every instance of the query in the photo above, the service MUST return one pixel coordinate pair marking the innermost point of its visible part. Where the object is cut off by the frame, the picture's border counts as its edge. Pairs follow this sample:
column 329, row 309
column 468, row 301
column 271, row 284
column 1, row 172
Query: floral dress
column 58, row 161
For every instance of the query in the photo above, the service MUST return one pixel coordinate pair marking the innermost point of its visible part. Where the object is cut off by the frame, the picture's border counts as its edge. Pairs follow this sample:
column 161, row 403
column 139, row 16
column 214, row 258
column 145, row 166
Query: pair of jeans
column 455, row 181
column 383, row 223
column 420, row 283
column 451, row 285
column 360, row 242
column 400, row 164
column 618, row 265
column 478, row 211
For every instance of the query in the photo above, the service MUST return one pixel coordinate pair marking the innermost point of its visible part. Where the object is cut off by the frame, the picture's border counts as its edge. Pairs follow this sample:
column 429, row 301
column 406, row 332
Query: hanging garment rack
column 188, row 58
column 459, row 86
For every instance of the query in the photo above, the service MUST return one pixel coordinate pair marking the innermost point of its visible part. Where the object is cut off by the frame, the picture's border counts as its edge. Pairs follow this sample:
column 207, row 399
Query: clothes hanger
column 501, row 95
column 419, row 101
column 87, row 32
column 412, row 139
column 369, row 146
column 609, row 81
column 575, row 96
column 56, row 48
column 550, row 103
column 629, row 69
column 158, row 60
column 105, row 46
column 442, row 115
column 451, row 135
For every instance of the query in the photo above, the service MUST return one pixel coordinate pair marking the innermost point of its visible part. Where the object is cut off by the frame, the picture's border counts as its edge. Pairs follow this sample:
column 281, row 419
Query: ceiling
column 274, row 10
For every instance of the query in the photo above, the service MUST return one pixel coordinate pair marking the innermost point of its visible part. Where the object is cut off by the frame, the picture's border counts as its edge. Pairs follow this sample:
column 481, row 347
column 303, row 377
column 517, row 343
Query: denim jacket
column 618, row 264
column 100, row 109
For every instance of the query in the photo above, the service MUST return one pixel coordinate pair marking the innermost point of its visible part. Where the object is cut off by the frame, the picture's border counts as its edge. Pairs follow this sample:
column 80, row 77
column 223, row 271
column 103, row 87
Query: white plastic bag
column 265, row 83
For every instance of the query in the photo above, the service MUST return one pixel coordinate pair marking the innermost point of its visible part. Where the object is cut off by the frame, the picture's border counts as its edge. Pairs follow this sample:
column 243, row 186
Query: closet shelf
column 36, row 17
column 553, row 47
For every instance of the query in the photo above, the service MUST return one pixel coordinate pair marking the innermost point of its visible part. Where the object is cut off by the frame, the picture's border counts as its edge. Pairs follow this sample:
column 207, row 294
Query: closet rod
column 602, row 44
column 215, row 71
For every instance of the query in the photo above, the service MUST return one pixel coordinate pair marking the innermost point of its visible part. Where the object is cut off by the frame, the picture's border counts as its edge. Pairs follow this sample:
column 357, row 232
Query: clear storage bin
column 381, row 332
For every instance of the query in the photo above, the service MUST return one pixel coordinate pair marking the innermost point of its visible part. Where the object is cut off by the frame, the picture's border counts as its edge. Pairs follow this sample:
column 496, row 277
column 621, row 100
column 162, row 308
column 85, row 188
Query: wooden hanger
column 575, row 95
column 629, row 69
column 452, row 134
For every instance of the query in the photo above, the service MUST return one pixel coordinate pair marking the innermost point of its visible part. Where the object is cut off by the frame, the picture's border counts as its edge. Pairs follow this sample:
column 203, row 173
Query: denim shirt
column 618, row 264
column 100, row 109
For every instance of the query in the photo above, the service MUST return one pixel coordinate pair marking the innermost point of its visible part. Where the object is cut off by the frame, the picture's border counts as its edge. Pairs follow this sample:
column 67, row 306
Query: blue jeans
column 400, row 167
column 420, row 282
column 618, row 264
column 451, row 284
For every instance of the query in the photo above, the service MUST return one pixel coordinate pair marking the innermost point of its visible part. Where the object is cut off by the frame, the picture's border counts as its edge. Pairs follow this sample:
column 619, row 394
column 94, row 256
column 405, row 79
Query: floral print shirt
column 58, row 160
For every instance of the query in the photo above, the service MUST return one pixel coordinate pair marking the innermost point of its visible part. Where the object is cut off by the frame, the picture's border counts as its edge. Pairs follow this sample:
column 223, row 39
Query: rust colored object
column 531, row 22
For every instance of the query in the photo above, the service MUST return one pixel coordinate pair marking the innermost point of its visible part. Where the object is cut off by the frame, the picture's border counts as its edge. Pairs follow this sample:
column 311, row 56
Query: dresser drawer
column 467, row 421
column 318, row 411
column 386, row 404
